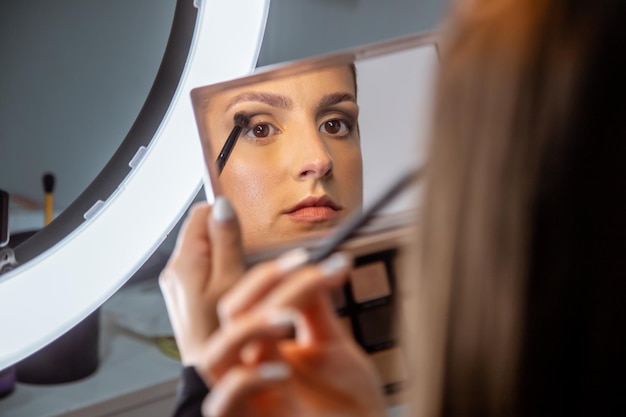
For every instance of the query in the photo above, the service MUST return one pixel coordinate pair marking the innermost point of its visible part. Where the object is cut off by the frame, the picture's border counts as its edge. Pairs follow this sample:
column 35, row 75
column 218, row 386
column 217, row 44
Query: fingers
column 228, row 398
column 184, row 284
column 192, row 252
column 259, row 282
column 303, row 285
column 307, row 291
column 268, row 288
column 224, row 229
column 206, row 261
column 226, row 347
column 193, row 229
column 209, row 241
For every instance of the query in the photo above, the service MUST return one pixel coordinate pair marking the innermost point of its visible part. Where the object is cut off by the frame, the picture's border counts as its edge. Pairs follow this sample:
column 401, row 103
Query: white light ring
column 54, row 291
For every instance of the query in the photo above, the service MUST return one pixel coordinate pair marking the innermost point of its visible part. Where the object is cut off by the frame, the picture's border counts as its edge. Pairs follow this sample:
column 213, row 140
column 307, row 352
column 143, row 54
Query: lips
column 314, row 209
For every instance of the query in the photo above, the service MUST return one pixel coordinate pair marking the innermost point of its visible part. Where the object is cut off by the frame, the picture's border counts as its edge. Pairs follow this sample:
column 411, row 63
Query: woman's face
column 297, row 167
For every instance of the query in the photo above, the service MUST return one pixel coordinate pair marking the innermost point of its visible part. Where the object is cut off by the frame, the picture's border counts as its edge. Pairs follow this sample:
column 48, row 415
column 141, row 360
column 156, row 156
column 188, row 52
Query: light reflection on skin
column 297, row 168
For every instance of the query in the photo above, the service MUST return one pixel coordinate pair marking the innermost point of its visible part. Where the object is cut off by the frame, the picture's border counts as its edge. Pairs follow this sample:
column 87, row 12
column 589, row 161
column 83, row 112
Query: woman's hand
column 255, row 370
column 199, row 272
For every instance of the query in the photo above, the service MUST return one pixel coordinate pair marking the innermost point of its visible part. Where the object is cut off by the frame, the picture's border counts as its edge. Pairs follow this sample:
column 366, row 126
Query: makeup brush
column 48, row 188
column 241, row 121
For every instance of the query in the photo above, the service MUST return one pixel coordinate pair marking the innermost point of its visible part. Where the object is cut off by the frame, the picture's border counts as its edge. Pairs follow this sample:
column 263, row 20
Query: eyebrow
column 272, row 99
column 335, row 98
column 284, row 102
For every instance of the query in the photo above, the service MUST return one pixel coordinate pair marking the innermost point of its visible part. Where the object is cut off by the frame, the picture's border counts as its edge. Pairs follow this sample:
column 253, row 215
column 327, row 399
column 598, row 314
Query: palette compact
column 393, row 81
column 368, row 305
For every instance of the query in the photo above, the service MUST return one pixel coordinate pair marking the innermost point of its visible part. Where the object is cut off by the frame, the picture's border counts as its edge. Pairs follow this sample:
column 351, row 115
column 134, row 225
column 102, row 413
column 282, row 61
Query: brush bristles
column 48, row 183
column 241, row 120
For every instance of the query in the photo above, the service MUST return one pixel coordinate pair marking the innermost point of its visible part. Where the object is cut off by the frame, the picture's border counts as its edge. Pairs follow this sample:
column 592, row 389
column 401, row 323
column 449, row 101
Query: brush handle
column 48, row 208
column 48, row 181
column 227, row 148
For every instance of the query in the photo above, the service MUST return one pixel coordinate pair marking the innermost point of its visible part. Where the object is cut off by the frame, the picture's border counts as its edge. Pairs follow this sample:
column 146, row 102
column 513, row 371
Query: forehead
column 306, row 87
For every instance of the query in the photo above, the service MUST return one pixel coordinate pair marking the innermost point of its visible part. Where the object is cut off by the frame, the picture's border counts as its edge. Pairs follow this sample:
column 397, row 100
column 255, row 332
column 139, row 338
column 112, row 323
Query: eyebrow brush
column 241, row 122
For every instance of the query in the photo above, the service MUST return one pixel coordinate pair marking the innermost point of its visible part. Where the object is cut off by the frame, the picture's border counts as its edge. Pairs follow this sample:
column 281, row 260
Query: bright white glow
column 53, row 292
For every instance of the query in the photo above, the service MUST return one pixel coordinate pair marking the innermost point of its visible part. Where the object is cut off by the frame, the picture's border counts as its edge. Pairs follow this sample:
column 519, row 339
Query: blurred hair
column 521, row 238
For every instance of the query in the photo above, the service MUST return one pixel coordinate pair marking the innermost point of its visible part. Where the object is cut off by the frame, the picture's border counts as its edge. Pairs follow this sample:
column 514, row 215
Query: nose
column 312, row 158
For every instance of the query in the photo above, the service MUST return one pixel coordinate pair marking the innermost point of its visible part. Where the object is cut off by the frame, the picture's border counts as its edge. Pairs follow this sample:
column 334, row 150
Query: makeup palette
column 368, row 305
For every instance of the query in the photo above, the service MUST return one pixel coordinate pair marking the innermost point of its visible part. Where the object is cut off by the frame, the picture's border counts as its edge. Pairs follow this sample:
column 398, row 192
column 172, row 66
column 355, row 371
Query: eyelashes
column 263, row 129
column 260, row 132
column 337, row 127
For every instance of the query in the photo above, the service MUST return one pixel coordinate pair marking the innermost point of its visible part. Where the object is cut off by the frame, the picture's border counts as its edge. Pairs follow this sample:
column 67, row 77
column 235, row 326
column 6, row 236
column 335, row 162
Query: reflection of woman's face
column 297, row 168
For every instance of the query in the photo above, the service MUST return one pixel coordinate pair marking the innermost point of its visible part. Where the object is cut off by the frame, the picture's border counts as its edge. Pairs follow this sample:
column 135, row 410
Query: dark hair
column 353, row 72
column 523, row 271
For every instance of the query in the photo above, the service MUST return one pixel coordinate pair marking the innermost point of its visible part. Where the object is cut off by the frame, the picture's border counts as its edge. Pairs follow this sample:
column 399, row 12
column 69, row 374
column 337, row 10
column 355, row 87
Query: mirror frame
column 287, row 69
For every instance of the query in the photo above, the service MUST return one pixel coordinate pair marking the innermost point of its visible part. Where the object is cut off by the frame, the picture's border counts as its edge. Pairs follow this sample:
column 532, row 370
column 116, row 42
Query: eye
column 261, row 130
column 336, row 127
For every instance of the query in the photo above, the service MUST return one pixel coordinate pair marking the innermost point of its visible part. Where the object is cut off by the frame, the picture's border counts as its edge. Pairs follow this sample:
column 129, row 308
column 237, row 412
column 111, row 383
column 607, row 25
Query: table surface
column 132, row 371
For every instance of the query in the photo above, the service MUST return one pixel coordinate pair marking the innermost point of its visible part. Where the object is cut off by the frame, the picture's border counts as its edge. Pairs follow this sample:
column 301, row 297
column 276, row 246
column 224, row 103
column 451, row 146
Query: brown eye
column 335, row 127
column 261, row 130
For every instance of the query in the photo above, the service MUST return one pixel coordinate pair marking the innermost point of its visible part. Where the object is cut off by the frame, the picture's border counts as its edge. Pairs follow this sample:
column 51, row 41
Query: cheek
column 349, row 174
column 248, row 188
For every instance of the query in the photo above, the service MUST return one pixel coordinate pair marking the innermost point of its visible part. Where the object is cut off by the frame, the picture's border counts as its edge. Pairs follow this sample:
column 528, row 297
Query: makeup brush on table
column 48, row 189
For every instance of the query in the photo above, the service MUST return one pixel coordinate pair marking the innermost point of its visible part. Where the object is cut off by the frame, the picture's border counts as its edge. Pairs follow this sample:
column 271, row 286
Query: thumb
column 228, row 264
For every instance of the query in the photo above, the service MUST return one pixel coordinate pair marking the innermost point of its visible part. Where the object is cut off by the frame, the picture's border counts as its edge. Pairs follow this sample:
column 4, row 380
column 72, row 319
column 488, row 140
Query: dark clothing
column 190, row 394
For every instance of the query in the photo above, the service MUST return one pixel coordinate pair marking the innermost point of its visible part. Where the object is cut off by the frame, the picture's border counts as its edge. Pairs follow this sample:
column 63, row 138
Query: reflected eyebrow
column 272, row 99
column 335, row 98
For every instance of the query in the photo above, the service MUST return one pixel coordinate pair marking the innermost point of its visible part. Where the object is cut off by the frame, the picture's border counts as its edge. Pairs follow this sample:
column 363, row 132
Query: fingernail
column 282, row 318
column 222, row 210
column 269, row 371
column 335, row 263
column 273, row 371
column 293, row 259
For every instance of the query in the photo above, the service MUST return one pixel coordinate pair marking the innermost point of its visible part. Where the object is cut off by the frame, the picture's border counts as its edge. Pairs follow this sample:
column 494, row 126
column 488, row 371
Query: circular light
column 42, row 299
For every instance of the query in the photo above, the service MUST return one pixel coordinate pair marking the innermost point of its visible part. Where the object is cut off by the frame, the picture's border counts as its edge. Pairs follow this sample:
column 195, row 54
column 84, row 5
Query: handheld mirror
column 299, row 147
column 305, row 150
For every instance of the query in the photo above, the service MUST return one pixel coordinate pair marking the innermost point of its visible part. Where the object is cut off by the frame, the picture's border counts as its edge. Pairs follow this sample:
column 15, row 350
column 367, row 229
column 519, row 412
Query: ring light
column 67, row 280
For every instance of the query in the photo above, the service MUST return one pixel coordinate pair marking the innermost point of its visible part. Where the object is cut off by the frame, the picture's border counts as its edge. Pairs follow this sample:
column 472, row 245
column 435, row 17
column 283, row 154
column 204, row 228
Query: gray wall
column 301, row 28
column 73, row 77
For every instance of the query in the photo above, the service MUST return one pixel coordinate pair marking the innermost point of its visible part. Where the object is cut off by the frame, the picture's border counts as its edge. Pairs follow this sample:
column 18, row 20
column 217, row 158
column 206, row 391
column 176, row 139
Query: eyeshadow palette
column 371, row 304
column 368, row 301
column 368, row 305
